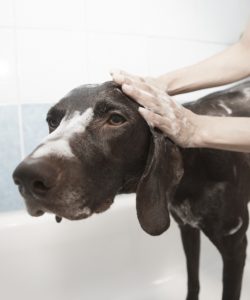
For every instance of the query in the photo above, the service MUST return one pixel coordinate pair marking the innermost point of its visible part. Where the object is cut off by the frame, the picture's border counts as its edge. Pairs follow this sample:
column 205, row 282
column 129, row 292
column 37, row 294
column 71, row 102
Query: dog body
column 99, row 147
column 212, row 196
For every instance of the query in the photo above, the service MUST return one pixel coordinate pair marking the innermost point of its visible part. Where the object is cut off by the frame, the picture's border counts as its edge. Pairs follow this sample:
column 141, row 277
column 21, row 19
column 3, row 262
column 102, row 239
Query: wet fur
column 216, row 185
column 205, row 190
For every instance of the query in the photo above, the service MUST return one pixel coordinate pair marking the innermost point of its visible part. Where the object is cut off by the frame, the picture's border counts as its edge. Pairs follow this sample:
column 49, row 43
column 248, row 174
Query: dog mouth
column 70, row 213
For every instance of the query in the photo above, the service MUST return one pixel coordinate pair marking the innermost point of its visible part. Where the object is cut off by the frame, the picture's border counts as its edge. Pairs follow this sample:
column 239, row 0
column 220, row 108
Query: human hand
column 159, row 109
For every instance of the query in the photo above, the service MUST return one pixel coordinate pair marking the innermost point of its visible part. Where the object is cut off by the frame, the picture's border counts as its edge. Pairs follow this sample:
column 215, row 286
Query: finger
column 143, row 98
column 155, row 120
column 156, row 103
column 148, row 116
column 117, row 75
column 139, row 85
column 145, row 86
column 118, row 78
column 121, row 79
column 120, row 75
column 132, row 76
column 153, row 89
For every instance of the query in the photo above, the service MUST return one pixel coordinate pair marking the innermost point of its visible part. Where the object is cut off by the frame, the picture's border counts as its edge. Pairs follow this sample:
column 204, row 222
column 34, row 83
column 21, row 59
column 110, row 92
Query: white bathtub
column 106, row 257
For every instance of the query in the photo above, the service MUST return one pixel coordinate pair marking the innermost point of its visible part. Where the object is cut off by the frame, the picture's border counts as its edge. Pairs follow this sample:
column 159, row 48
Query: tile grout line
column 19, row 105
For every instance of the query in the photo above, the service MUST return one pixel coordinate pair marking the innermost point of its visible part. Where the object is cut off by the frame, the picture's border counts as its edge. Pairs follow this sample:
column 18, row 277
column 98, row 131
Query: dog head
column 98, row 147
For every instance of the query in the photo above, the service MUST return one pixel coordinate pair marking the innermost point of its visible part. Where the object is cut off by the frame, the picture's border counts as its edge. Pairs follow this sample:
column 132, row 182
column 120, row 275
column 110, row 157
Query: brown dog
column 99, row 147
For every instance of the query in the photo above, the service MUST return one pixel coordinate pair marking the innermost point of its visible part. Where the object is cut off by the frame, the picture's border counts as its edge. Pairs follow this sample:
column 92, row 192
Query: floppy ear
column 157, row 185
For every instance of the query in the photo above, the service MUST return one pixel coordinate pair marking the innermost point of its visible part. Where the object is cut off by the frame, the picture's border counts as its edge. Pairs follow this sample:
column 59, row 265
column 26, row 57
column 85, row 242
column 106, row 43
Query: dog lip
column 36, row 213
column 104, row 206
column 78, row 214
column 85, row 213
column 77, row 217
column 82, row 213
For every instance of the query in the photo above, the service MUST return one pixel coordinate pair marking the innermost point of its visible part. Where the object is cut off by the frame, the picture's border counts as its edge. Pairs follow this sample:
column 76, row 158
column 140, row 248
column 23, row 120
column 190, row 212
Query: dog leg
column 233, row 255
column 191, row 244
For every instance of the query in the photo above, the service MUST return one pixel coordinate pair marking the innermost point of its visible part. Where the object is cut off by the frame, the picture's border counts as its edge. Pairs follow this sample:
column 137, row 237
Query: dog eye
column 53, row 123
column 116, row 119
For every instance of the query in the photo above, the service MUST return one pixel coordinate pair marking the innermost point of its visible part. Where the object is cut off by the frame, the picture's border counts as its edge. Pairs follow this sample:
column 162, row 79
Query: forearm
column 228, row 66
column 226, row 133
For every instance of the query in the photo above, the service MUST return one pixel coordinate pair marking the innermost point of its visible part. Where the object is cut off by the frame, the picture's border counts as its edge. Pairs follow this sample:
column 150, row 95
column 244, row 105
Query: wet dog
column 99, row 146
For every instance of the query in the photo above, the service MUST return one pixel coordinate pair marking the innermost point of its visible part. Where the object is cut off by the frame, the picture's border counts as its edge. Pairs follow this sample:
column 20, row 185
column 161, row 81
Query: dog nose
column 35, row 176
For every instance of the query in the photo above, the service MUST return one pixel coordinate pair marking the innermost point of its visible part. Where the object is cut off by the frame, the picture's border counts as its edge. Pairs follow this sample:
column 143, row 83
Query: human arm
column 181, row 125
column 230, row 65
column 225, row 133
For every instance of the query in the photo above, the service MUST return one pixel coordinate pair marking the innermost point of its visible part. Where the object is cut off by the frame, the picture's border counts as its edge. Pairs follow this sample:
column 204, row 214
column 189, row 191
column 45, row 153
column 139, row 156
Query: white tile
column 6, row 13
column 50, row 63
column 207, row 20
column 50, row 13
column 172, row 18
column 115, row 16
column 168, row 54
column 222, row 21
column 107, row 51
column 8, row 83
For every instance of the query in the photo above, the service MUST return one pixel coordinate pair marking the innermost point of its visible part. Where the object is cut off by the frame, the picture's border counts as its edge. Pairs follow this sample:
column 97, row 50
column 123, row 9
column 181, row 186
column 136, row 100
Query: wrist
column 174, row 82
column 200, row 136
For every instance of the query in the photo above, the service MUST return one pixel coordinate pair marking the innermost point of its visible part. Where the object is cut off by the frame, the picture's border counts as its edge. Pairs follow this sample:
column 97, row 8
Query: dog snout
column 35, row 177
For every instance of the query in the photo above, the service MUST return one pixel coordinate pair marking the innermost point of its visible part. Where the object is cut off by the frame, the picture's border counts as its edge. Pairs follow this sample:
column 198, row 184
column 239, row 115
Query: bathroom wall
column 48, row 47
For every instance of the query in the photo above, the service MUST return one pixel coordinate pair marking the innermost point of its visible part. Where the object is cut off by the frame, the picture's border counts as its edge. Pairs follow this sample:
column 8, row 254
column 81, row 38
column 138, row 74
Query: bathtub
column 105, row 257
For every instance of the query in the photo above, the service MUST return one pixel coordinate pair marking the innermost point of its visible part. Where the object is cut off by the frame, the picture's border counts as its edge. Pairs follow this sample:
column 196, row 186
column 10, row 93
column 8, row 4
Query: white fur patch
column 91, row 85
column 57, row 143
column 86, row 211
column 236, row 228
column 57, row 147
column 227, row 109
column 247, row 91
column 185, row 213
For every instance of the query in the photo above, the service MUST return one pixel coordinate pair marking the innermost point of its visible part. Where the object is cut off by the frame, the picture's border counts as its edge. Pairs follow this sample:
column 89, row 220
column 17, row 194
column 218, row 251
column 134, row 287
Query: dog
column 99, row 146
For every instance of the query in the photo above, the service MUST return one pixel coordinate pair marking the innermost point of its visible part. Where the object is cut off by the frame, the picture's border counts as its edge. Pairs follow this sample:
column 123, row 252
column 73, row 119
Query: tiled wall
column 48, row 47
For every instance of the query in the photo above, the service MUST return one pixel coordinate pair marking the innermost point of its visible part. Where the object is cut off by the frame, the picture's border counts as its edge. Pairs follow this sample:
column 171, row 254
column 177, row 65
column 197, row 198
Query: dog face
column 98, row 147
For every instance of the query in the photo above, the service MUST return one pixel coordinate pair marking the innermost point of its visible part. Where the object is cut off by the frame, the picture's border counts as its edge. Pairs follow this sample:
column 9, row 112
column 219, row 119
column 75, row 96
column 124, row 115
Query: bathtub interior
column 107, row 256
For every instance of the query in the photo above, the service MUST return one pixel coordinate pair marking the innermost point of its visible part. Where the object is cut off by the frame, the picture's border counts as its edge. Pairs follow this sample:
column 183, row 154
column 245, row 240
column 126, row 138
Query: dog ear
column 157, row 185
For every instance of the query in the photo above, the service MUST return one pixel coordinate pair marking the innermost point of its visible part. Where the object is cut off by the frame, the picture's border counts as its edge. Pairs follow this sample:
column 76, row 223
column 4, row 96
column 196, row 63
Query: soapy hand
column 159, row 109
